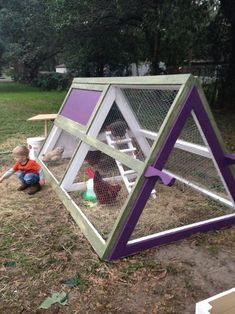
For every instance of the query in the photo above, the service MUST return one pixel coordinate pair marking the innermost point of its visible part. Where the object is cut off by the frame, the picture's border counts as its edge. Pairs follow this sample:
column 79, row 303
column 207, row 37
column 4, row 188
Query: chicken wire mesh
column 193, row 167
column 174, row 207
column 196, row 169
column 58, row 155
column 100, row 191
column 150, row 106
column 191, row 133
column 117, row 134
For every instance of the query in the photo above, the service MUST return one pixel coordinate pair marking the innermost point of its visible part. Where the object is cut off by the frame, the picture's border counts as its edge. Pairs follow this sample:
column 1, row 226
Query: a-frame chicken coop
column 149, row 151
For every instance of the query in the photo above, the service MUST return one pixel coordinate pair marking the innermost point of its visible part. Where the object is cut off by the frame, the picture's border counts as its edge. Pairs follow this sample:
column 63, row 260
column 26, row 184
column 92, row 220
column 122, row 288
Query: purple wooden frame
column 192, row 103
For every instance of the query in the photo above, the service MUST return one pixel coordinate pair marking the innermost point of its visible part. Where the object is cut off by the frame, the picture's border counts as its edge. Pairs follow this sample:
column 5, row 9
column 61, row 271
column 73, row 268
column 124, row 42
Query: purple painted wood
column 80, row 105
column 176, row 235
column 192, row 102
column 230, row 159
column 153, row 172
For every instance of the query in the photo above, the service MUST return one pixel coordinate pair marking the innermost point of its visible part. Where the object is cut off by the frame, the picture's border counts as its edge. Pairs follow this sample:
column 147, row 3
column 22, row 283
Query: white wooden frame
column 222, row 303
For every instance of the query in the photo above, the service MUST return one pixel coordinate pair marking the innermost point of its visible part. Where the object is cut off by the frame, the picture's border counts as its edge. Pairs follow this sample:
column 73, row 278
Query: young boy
column 28, row 171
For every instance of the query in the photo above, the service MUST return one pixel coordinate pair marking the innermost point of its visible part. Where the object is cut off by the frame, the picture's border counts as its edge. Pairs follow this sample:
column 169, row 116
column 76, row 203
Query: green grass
column 19, row 102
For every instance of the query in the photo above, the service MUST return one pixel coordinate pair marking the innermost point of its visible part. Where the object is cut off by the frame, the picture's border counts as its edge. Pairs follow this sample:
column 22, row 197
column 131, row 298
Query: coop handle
column 153, row 172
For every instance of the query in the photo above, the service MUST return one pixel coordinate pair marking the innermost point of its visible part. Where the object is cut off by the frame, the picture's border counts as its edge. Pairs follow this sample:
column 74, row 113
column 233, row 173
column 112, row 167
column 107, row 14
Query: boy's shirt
column 30, row 167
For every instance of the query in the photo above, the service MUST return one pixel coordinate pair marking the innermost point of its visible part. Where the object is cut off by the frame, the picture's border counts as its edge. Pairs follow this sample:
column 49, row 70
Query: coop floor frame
column 190, row 98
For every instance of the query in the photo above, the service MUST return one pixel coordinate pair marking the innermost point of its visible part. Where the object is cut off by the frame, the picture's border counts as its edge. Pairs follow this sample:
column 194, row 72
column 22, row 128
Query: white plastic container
column 89, row 195
column 34, row 146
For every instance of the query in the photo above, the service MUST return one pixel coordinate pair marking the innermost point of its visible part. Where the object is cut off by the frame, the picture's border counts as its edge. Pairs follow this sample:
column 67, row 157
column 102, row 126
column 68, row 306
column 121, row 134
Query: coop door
column 80, row 105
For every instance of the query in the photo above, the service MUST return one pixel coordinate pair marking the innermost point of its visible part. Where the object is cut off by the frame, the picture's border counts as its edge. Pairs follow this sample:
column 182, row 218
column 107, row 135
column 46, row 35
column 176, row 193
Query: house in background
column 61, row 68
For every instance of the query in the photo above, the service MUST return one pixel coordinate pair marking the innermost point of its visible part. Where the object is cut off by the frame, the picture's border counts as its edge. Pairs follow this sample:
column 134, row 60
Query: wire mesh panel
column 117, row 133
column 191, row 133
column 115, row 122
column 196, row 169
column 194, row 163
column 57, row 153
column 113, row 115
column 99, row 190
column 150, row 105
column 175, row 207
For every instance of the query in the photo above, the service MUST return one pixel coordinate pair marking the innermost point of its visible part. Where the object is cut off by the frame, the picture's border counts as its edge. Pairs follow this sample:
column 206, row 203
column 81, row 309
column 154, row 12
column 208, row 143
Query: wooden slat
column 183, row 145
column 74, row 129
column 160, row 87
column 82, row 185
column 51, row 140
column 39, row 117
column 178, row 79
column 96, row 87
column 174, row 230
column 224, row 304
column 74, row 165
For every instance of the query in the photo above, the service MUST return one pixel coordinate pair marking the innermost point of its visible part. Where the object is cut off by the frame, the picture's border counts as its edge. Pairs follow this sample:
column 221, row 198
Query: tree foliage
column 123, row 32
column 103, row 37
column 29, row 37
column 227, row 92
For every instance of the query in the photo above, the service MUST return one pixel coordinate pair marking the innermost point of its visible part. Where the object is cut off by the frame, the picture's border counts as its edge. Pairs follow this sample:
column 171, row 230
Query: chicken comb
column 90, row 172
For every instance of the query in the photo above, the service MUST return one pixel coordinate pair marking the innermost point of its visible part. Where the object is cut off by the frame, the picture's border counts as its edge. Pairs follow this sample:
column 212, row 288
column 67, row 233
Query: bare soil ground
column 41, row 247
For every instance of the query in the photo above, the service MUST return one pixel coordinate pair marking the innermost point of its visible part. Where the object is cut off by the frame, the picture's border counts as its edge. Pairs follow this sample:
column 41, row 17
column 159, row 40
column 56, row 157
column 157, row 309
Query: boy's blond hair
column 20, row 150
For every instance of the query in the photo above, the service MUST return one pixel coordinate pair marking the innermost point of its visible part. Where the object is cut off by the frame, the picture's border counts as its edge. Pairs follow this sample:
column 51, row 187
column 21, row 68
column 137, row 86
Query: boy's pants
column 28, row 178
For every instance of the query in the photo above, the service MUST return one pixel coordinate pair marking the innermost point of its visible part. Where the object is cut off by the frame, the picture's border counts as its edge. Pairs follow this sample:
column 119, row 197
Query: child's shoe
column 34, row 188
column 22, row 187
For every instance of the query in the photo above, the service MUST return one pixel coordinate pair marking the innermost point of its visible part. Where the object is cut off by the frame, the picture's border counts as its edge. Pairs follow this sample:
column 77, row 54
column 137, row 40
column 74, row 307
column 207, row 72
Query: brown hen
column 105, row 192
column 93, row 157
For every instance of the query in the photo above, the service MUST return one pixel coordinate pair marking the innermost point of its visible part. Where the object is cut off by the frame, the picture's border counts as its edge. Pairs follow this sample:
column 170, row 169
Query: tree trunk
column 33, row 73
column 100, row 70
column 155, row 58
column 154, row 45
